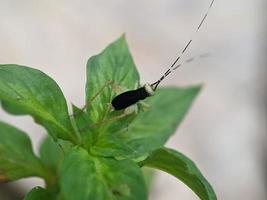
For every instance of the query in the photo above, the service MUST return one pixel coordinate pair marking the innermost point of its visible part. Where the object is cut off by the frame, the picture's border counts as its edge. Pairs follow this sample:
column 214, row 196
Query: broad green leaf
column 17, row 159
column 34, row 93
column 109, row 73
column 114, row 64
column 152, row 128
column 86, row 177
column 52, row 153
column 183, row 168
column 39, row 193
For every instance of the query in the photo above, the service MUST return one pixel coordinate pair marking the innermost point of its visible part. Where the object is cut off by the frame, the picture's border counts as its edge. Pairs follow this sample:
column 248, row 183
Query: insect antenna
column 174, row 65
column 189, row 60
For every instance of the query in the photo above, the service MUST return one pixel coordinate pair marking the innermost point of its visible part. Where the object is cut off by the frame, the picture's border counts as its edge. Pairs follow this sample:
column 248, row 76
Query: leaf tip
column 198, row 88
column 121, row 40
column 123, row 37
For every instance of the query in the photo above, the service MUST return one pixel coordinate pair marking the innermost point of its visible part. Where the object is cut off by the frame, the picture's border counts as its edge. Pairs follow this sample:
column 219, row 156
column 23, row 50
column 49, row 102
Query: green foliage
column 95, row 153
column 17, row 159
column 87, row 177
column 52, row 154
column 109, row 73
column 178, row 165
column 151, row 129
column 38, row 193
column 32, row 92
column 114, row 64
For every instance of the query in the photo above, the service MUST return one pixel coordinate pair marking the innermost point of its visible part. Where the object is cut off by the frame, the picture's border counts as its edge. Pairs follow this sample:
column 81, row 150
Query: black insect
column 131, row 97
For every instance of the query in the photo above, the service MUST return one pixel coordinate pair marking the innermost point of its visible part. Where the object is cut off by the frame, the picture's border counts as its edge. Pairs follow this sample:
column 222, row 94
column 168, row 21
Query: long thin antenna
column 174, row 66
column 189, row 60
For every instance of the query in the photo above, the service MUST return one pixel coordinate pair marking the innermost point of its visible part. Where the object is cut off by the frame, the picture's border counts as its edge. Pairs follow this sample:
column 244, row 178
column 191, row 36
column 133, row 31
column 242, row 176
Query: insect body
column 131, row 97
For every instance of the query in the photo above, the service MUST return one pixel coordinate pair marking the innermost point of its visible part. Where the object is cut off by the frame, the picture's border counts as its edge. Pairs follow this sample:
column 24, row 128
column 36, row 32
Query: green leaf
column 183, row 168
column 11, row 108
column 33, row 92
column 87, row 177
column 149, row 175
column 82, row 121
column 52, row 153
column 152, row 128
column 38, row 193
column 109, row 73
column 110, row 146
column 105, row 145
column 114, row 64
column 17, row 159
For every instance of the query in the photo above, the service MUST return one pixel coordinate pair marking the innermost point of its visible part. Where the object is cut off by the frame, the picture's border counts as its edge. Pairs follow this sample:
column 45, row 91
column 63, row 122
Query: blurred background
column 225, row 130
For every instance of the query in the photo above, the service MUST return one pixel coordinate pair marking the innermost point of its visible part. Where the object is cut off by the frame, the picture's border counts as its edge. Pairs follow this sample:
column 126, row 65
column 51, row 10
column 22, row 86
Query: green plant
column 87, row 156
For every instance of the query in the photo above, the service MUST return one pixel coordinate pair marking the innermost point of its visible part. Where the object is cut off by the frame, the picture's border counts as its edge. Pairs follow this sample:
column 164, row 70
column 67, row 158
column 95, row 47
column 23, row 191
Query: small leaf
column 38, row 193
column 32, row 92
column 114, row 64
column 17, row 159
column 183, row 168
column 152, row 128
column 87, row 177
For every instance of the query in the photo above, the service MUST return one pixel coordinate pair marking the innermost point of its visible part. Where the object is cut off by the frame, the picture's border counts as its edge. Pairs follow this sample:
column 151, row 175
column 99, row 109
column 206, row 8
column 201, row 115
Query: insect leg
column 93, row 98
column 143, row 105
column 128, row 111
column 117, row 89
